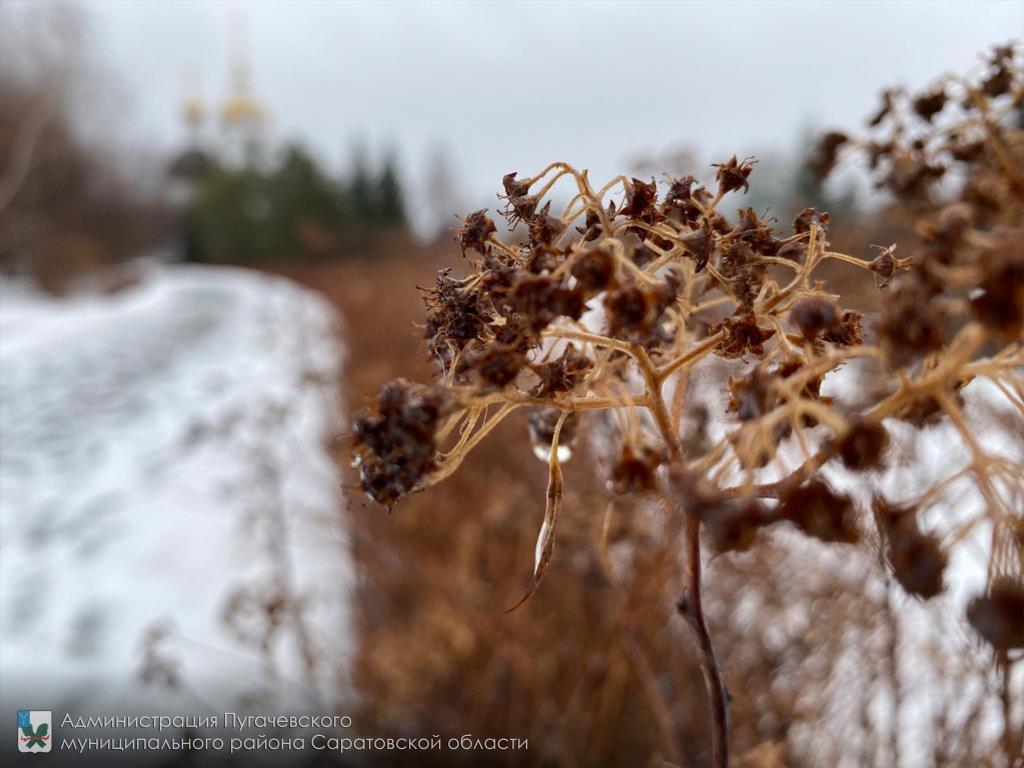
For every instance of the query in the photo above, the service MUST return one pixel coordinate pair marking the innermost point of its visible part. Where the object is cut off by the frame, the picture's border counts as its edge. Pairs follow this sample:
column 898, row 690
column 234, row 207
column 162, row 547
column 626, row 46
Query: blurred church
column 237, row 136
column 243, row 196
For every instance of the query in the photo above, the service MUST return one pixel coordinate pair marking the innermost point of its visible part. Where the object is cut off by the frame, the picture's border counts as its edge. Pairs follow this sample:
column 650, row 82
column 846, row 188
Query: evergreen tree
column 361, row 193
column 232, row 218
column 295, row 211
column 390, row 210
column 301, row 188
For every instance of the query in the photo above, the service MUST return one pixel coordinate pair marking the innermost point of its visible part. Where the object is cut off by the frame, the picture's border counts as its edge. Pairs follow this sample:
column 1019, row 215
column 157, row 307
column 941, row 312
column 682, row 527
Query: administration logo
column 35, row 728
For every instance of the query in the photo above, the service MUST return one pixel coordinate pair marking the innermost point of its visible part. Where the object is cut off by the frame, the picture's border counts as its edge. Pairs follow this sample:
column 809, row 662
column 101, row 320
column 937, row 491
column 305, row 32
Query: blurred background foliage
column 294, row 211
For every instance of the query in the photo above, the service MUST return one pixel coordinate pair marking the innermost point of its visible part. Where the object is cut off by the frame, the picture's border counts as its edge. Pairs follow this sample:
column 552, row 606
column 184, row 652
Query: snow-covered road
column 163, row 474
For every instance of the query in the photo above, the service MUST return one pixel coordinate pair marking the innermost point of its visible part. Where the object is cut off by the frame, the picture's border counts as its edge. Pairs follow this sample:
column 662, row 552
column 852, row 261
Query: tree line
column 293, row 210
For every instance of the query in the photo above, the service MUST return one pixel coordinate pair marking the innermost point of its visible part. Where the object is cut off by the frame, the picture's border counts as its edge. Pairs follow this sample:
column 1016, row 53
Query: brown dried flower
column 826, row 153
column 884, row 265
column 699, row 244
column 634, row 310
column 742, row 336
column 594, row 270
column 635, row 471
column 999, row 615
column 497, row 365
column 541, row 300
column 732, row 174
column 814, row 315
column 917, row 559
column 640, row 200
column 929, row 104
column 395, row 446
column 847, row 332
column 863, row 445
column 563, row 374
column 1000, row 305
column 911, row 324
column 820, row 512
column 475, row 230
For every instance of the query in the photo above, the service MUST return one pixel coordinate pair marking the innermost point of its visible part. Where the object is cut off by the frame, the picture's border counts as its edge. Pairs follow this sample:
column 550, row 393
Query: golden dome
column 192, row 110
column 241, row 108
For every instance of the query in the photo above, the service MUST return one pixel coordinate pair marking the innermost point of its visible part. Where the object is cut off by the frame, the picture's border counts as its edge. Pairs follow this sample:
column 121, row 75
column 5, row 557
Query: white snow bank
column 162, row 451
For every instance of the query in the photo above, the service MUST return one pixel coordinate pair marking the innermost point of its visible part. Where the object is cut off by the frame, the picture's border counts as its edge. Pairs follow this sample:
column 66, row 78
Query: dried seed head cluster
column 398, row 448
column 670, row 280
column 917, row 559
column 997, row 615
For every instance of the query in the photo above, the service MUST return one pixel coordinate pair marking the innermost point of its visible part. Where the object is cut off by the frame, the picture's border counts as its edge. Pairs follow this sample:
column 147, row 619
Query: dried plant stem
column 691, row 605
column 1013, row 743
column 692, row 609
column 892, row 650
column 590, row 338
column 996, row 141
column 694, row 354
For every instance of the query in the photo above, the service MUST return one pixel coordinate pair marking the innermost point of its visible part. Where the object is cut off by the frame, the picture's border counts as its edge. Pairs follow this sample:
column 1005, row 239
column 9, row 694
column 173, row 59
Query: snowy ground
column 162, row 459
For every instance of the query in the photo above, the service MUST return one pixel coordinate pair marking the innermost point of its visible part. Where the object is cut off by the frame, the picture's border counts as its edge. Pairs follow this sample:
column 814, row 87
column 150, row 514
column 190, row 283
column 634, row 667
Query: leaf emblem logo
column 34, row 730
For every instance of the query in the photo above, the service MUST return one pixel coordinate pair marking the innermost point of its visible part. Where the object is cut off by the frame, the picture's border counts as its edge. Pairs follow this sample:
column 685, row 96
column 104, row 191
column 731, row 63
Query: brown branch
column 690, row 605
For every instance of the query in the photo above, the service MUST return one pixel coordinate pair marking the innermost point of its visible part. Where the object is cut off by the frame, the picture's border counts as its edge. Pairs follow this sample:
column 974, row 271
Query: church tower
column 242, row 117
column 193, row 112
column 188, row 168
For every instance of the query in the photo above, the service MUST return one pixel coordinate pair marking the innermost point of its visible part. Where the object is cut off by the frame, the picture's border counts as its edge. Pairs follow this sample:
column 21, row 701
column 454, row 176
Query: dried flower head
column 563, row 374
column 634, row 310
column 1000, row 303
column 475, row 230
column 635, row 470
column 820, row 512
column 732, row 174
column 929, row 104
column 814, row 316
column 911, row 324
column 594, row 270
column 742, row 335
column 885, row 265
column 999, row 615
column 917, row 559
column 640, row 200
column 678, row 283
column 825, row 155
column 395, row 448
column 863, row 445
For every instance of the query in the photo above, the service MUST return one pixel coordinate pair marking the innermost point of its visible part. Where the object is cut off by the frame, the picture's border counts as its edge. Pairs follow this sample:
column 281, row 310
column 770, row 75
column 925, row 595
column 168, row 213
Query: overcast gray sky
column 516, row 85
